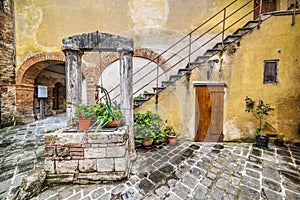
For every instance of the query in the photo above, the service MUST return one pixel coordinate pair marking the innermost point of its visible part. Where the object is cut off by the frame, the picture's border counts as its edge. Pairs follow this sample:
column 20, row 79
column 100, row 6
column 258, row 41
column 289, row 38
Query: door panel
column 209, row 113
column 267, row 6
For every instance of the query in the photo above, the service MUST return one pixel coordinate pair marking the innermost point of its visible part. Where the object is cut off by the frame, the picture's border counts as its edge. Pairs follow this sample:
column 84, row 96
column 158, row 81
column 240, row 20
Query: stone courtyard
column 188, row 170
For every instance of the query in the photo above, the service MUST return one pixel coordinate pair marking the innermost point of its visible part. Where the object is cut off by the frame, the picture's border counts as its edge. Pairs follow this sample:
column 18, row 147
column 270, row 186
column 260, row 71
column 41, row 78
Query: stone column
column 73, row 82
column 126, row 76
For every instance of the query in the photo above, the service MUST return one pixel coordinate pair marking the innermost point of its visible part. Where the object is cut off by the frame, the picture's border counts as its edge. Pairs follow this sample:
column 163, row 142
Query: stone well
column 86, row 157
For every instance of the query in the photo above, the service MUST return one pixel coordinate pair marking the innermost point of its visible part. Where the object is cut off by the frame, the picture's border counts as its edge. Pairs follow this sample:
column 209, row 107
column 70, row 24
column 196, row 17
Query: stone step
column 174, row 77
column 232, row 38
column 166, row 83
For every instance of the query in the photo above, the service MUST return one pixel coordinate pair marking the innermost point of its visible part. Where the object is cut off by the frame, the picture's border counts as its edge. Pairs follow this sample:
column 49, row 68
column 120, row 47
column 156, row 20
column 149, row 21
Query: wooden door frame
column 209, row 137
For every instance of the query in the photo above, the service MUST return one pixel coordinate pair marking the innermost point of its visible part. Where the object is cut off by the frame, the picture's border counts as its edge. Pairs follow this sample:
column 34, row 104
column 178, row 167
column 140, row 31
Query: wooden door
column 267, row 6
column 209, row 112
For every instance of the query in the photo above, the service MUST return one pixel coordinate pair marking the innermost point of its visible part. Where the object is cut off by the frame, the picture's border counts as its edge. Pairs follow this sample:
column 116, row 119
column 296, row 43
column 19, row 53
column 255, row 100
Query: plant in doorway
column 260, row 110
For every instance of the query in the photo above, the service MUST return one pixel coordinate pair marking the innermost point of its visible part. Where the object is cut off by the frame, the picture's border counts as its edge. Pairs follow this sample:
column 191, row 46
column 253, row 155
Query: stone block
column 49, row 151
column 50, row 139
column 63, row 151
column 88, row 165
column 121, row 164
column 66, row 166
column 49, row 166
column 70, row 138
column 104, row 176
column 97, row 138
column 59, row 178
column 105, row 165
column 95, row 152
column 115, row 152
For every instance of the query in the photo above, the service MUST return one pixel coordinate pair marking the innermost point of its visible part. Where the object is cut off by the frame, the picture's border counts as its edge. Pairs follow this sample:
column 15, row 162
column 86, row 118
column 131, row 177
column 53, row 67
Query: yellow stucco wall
column 156, row 24
column 275, row 40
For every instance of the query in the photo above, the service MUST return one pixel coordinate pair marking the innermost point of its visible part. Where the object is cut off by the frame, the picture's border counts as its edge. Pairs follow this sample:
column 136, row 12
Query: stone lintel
column 97, row 41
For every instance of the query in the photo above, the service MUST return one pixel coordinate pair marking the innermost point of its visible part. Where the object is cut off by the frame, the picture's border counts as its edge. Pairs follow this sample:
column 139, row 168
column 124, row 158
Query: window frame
column 273, row 72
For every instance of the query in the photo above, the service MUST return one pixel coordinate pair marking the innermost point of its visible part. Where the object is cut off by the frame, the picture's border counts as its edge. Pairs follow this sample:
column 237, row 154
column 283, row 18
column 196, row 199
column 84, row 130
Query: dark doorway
column 267, row 6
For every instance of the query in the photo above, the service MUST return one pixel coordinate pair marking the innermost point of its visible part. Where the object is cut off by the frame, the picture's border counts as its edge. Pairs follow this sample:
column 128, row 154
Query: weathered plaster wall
column 40, row 25
column 244, row 76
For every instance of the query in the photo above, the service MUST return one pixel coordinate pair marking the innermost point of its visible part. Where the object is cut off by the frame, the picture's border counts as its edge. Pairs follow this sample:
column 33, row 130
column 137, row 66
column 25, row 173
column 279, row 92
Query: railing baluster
column 260, row 11
column 190, row 49
column 294, row 13
column 223, row 27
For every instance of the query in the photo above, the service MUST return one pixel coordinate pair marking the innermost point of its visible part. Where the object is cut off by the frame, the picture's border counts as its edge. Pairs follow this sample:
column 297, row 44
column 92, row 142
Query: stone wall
column 7, row 67
column 86, row 157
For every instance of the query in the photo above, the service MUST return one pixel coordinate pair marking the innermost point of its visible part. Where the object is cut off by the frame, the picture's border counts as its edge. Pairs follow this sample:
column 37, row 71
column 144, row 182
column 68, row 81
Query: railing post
column 190, row 49
column 260, row 10
column 223, row 28
column 294, row 13
column 157, row 76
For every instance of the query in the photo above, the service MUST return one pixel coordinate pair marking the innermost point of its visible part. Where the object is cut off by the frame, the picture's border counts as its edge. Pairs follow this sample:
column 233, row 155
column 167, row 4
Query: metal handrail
column 189, row 45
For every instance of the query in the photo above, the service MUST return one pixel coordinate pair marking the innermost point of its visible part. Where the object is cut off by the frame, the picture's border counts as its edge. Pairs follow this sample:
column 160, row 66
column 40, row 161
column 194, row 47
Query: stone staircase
column 202, row 60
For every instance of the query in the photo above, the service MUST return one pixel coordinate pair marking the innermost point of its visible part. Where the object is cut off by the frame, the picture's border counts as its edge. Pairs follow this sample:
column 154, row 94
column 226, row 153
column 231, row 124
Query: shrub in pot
column 260, row 110
column 147, row 126
column 171, row 134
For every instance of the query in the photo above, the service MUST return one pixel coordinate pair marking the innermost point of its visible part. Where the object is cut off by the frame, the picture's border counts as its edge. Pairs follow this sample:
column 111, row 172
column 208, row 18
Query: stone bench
column 86, row 157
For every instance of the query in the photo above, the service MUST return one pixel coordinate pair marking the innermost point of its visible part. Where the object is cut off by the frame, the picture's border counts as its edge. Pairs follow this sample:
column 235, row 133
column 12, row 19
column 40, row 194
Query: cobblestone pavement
column 21, row 150
column 186, row 171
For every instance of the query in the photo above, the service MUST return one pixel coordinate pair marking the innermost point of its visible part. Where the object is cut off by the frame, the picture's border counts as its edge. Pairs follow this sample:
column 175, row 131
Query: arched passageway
column 42, row 69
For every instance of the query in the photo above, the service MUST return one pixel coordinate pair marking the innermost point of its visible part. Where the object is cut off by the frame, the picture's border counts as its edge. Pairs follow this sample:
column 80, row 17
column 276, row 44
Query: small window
column 270, row 72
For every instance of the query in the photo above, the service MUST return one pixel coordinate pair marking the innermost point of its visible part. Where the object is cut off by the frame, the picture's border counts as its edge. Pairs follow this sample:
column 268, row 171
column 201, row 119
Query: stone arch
column 92, row 74
column 25, row 77
column 39, row 61
column 139, row 52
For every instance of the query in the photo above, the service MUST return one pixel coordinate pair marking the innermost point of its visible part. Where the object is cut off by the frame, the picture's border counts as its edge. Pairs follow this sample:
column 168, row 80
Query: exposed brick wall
column 7, row 68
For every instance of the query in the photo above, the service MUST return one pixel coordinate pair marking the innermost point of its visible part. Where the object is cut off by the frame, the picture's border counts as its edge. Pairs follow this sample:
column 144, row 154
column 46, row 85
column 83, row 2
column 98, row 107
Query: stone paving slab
column 186, row 171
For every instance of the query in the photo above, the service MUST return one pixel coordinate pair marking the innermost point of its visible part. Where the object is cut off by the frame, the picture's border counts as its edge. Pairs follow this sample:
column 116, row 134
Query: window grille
column 270, row 72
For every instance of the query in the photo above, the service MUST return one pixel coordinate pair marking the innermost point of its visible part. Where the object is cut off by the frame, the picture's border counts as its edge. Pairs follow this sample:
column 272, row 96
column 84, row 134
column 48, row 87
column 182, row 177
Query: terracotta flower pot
column 84, row 124
column 172, row 139
column 147, row 143
column 114, row 123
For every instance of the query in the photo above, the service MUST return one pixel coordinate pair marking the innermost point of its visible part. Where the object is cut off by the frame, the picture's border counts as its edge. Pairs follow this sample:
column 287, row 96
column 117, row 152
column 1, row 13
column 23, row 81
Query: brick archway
column 95, row 73
column 25, row 77
column 26, row 70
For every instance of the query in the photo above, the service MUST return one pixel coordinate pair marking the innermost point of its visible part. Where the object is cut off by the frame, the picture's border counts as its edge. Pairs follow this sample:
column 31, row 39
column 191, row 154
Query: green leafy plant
column 169, row 130
column 106, row 113
column 260, row 110
column 147, row 125
column 83, row 111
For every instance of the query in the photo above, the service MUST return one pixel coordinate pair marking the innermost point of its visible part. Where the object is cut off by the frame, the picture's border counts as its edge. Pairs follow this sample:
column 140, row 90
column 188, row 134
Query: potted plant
column 171, row 135
column 147, row 126
column 260, row 110
column 84, row 112
column 107, row 114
